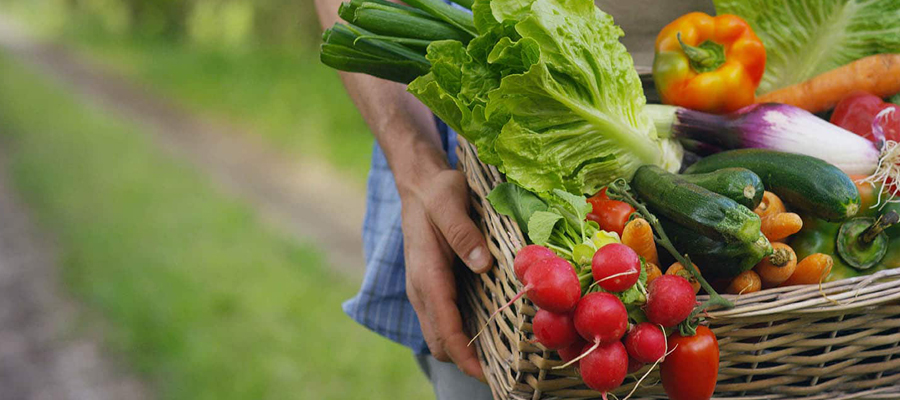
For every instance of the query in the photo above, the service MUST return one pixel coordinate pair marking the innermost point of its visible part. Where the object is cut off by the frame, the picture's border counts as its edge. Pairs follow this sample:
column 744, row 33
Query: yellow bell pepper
column 710, row 64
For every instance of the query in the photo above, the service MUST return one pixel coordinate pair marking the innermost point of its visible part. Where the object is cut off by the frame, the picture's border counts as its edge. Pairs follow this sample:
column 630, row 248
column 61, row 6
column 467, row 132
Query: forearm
column 403, row 126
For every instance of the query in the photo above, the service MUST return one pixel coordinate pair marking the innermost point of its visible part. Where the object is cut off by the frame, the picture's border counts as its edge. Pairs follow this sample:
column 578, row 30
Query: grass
column 200, row 296
column 285, row 96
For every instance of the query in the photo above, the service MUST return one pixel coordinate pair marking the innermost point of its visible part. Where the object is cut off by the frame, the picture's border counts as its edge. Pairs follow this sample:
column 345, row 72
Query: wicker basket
column 783, row 343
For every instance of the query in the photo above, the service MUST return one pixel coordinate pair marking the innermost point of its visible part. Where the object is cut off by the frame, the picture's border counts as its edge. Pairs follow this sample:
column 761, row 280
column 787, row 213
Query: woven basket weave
column 783, row 343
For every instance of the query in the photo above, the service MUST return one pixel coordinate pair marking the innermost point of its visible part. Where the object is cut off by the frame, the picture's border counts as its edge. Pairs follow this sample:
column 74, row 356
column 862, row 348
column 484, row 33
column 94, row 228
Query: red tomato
column 611, row 215
column 856, row 112
column 690, row 371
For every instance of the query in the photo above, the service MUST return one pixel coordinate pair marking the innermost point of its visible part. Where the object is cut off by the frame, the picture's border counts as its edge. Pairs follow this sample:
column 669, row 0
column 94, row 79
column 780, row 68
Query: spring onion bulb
column 784, row 128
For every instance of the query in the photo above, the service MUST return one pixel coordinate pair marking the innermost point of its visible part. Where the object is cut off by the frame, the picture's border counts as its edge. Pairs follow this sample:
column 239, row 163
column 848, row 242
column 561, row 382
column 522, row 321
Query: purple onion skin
column 749, row 127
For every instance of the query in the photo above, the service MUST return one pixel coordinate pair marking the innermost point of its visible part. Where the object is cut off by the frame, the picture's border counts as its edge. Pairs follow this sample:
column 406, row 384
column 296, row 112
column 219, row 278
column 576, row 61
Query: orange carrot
column 639, row 236
column 653, row 272
column 878, row 74
column 779, row 226
column 811, row 270
column 746, row 282
column 771, row 204
column 777, row 268
column 678, row 269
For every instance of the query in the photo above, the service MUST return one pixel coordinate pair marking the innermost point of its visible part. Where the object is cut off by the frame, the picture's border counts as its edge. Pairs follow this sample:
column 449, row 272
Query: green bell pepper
column 819, row 236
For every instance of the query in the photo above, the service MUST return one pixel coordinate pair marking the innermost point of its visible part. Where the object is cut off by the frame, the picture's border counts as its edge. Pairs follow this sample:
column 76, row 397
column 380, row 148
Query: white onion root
column 887, row 172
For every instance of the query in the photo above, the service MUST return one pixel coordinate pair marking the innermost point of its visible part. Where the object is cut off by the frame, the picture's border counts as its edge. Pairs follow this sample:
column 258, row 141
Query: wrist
column 415, row 167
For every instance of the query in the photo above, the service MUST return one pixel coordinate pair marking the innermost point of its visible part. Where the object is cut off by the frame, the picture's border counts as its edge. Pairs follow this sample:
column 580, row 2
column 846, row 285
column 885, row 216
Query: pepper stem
column 883, row 222
column 706, row 57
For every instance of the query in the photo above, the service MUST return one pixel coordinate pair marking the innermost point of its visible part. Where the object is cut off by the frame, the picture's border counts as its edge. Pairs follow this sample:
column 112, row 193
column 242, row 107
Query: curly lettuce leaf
column 805, row 38
column 549, row 95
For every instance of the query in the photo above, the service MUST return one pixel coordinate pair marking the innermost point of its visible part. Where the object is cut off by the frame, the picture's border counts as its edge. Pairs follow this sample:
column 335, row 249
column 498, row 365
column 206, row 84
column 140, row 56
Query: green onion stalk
column 389, row 40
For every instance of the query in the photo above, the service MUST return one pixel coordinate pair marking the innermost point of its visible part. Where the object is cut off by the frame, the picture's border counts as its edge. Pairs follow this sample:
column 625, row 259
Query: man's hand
column 436, row 228
column 436, row 223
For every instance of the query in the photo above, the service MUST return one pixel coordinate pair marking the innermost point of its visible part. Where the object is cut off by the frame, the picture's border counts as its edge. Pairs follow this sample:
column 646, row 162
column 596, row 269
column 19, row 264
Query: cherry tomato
column 690, row 371
column 611, row 215
column 856, row 112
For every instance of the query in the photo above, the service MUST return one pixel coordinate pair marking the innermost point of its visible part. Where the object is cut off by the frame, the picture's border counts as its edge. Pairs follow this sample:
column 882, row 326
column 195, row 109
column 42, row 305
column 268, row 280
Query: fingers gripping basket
column 839, row 341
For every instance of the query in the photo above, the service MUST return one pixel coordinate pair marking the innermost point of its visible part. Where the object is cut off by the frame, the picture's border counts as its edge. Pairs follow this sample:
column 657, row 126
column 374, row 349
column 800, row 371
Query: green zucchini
column 716, row 259
column 705, row 212
column 738, row 184
column 806, row 183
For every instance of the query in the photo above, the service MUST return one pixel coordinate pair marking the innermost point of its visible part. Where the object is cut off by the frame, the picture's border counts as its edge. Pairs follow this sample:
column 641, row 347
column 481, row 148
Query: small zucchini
column 805, row 183
column 716, row 258
column 705, row 212
column 738, row 184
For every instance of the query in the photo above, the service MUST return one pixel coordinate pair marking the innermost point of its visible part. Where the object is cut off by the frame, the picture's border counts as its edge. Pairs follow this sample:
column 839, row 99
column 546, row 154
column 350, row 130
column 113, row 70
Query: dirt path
column 43, row 355
column 305, row 199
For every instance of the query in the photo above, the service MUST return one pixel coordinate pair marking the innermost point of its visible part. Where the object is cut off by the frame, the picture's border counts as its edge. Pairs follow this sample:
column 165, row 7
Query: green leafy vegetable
column 895, row 99
column 805, row 38
column 548, row 94
column 577, row 204
column 511, row 200
column 541, row 224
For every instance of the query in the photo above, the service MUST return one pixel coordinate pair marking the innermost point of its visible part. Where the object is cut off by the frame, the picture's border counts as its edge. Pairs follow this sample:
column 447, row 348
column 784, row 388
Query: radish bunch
column 596, row 329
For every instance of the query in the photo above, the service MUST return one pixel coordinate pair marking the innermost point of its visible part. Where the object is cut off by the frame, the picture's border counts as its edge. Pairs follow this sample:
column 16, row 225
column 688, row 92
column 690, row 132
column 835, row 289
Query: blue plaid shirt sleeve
column 381, row 304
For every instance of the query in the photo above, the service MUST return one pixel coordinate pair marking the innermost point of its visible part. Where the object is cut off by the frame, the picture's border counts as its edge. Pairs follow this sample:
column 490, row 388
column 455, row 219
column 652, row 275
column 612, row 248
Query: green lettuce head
column 548, row 94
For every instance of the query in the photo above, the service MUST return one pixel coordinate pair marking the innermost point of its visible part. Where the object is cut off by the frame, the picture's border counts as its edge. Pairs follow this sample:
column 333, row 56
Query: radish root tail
column 495, row 313
column 576, row 359
column 646, row 374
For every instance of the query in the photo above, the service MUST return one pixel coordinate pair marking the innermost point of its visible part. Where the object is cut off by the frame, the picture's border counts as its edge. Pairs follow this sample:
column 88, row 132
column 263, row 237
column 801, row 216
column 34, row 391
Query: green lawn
column 202, row 298
column 287, row 97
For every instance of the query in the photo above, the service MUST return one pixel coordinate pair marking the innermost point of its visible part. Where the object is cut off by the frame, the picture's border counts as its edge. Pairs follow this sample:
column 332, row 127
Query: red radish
column 601, row 318
column 670, row 299
column 573, row 351
column 554, row 331
column 646, row 343
column 552, row 285
column 527, row 257
column 858, row 111
column 633, row 365
column 616, row 267
column 604, row 368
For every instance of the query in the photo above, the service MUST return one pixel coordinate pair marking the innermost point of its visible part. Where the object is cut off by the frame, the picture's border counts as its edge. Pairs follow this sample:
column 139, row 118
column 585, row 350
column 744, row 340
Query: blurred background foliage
column 233, row 23
column 204, row 299
column 253, row 62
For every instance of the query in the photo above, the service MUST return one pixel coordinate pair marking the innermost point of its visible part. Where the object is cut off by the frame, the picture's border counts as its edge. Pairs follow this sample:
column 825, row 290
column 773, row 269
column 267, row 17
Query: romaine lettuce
column 548, row 94
column 804, row 38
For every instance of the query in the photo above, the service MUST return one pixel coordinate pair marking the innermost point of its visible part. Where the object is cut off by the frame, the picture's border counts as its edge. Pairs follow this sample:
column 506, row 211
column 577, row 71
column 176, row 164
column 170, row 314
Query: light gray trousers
column 450, row 383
